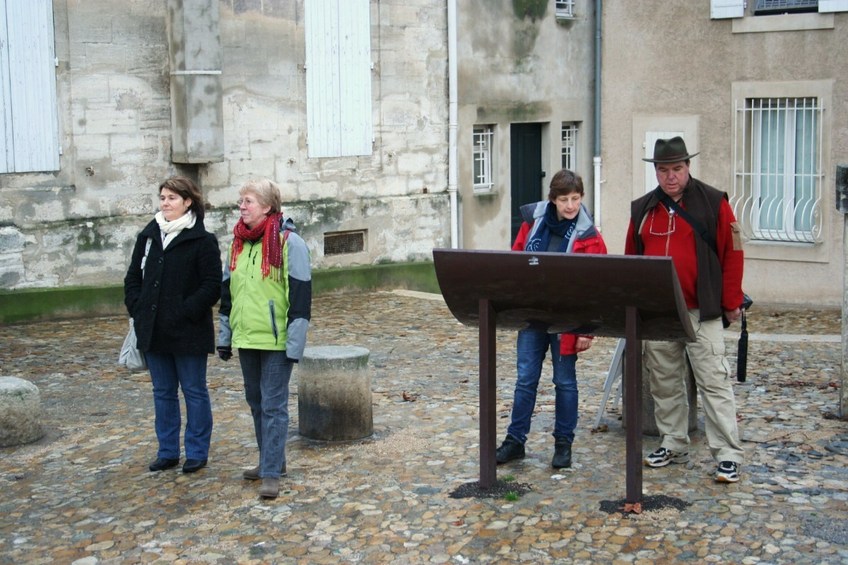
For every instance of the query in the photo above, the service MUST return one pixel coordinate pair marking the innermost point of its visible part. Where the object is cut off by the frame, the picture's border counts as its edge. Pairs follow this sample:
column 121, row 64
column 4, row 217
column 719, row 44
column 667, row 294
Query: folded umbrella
column 742, row 352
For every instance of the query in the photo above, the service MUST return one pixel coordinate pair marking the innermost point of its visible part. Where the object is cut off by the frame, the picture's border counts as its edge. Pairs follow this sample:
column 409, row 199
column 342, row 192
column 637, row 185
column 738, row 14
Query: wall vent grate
column 340, row 243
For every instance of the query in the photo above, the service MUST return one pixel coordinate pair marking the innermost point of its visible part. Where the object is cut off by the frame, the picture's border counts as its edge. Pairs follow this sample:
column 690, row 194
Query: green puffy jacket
column 264, row 313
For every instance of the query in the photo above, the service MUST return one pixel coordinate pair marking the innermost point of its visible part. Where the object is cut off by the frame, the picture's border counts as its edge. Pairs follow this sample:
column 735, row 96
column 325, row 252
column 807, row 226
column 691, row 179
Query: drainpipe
column 452, row 124
column 596, row 161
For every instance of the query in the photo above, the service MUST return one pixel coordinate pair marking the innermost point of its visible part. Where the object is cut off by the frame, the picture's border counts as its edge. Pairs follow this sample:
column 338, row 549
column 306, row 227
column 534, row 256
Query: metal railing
column 777, row 185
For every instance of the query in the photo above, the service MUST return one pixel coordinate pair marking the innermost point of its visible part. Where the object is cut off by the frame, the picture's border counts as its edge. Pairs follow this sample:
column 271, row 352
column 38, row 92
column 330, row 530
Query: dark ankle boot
column 510, row 449
column 562, row 454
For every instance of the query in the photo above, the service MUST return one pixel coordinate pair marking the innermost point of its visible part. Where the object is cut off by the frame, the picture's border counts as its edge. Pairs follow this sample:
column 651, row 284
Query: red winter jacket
column 587, row 239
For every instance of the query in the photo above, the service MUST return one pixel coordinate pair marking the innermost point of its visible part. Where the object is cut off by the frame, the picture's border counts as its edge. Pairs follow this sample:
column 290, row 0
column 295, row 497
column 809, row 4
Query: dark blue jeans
column 266, row 388
column 532, row 346
column 169, row 373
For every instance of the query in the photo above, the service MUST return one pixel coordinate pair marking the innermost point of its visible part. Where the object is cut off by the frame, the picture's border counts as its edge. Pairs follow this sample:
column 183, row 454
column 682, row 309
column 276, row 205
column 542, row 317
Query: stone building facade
column 762, row 94
column 399, row 126
column 146, row 89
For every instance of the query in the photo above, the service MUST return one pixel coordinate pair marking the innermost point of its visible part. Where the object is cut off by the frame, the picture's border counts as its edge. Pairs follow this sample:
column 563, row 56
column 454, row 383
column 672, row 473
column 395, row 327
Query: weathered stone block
column 334, row 393
column 20, row 412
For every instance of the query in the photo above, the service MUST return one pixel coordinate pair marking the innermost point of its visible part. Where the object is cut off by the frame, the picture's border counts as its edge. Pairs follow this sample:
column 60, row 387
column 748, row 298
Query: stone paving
column 83, row 494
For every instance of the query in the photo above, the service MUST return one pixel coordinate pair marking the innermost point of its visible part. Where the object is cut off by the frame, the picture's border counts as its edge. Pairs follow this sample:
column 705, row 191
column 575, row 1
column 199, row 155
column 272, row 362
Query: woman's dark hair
column 565, row 182
column 186, row 188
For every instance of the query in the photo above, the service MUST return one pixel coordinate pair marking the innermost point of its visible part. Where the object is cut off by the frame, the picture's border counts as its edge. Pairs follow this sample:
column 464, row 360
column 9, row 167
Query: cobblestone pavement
column 83, row 494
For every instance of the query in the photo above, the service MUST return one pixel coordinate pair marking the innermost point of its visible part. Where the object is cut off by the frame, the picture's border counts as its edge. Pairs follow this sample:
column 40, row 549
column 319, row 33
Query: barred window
column 767, row 7
column 777, row 189
column 564, row 8
column 569, row 145
column 482, row 157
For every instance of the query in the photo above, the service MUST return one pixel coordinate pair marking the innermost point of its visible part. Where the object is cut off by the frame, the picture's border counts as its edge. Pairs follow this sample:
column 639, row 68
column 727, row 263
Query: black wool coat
column 171, row 304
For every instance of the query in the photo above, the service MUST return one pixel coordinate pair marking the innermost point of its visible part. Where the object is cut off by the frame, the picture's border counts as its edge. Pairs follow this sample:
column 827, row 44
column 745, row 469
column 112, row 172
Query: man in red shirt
column 692, row 223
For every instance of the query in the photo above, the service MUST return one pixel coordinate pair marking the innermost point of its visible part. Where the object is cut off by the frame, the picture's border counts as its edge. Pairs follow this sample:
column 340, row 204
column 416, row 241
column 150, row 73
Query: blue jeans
column 266, row 389
column 169, row 373
column 532, row 345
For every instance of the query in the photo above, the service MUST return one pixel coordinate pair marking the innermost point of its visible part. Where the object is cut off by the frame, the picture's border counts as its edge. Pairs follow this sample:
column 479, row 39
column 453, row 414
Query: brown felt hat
column 670, row 151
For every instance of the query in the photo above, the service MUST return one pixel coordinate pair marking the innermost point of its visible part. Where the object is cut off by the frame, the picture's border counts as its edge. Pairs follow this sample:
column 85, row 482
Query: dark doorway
column 527, row 174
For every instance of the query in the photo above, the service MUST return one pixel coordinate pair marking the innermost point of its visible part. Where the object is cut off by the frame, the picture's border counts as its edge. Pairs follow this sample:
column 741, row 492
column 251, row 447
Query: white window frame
column 723, row 9
column 482, row 158
column 564, row 9
column 569, row 132
column 773, row 200
column 338, row 78
column 29, row 118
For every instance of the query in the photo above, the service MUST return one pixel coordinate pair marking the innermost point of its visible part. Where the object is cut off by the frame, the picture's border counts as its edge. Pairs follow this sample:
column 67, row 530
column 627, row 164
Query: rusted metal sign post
column 607, row 295
column 842, row 206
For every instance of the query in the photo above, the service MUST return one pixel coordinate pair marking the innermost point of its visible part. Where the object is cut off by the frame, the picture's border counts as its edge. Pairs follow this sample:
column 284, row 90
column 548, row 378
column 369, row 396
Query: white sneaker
column 727, row 472
column 662, row 457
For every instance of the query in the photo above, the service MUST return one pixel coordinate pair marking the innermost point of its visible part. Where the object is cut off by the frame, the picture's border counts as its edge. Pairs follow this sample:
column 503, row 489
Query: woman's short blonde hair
column 267, row 193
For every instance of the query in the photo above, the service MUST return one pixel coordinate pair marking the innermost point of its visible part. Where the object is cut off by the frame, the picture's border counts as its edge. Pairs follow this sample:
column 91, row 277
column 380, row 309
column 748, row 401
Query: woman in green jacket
column 266, row 305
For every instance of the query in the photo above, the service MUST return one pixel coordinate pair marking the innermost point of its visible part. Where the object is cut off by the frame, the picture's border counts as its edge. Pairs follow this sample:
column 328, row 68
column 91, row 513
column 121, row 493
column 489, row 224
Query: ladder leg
column 615, row 371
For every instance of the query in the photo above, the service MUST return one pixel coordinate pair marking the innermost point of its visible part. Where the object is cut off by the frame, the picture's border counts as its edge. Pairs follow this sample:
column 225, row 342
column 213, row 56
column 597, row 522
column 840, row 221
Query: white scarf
column 172, row 229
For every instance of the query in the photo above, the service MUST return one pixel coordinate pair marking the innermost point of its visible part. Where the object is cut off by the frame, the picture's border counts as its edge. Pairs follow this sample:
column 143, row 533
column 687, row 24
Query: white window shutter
column 338, row 77
column 29, row 122
column 721, row 9
column 833, row 5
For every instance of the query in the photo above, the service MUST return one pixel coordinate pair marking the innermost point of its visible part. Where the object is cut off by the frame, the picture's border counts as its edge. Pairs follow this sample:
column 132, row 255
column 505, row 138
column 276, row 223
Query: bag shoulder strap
column 696, row 225
column 144, row 259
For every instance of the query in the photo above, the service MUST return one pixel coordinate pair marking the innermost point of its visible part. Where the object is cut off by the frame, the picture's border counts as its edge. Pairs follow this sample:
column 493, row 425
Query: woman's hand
column 583, row 343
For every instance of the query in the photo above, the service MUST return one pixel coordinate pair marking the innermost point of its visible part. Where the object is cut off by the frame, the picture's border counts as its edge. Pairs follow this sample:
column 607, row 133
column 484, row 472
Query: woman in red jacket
column 559, row 224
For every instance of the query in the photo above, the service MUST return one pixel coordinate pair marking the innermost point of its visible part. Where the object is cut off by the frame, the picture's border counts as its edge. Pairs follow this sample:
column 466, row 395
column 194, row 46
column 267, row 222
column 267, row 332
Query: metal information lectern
column 633, row 297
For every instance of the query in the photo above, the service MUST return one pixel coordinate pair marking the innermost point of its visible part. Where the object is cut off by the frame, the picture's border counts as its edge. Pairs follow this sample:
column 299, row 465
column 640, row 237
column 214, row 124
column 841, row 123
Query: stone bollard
column 334, row 393
column 20, row 412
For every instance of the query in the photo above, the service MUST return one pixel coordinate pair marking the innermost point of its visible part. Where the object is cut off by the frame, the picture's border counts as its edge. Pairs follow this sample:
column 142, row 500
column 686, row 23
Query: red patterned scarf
column 272, row 250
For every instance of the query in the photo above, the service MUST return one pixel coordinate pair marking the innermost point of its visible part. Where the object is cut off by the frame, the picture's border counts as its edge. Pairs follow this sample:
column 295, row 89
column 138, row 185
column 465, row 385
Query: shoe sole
column 724, row 479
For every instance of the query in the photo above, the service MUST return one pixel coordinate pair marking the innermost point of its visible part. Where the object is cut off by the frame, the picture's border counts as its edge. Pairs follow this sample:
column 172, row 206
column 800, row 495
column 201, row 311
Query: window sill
column 784, row 22
column 484, row 191
column 786, row 251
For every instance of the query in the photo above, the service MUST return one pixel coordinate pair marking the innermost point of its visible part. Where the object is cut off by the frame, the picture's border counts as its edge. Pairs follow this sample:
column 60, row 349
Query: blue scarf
column 550, row 224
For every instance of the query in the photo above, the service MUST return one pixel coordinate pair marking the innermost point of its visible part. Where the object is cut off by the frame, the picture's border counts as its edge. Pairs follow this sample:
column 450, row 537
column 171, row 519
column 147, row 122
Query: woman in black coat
column 173, row 281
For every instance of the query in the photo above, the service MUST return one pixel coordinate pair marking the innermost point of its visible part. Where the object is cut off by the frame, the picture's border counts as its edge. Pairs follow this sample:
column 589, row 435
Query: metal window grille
column 569, row 146
column 340, row 243
column 778, row 180
column 482, row 157
column 564, row 8
column 765, row 7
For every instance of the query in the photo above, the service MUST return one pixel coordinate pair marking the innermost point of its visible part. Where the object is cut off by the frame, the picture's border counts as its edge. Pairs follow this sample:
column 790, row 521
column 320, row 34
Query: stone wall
column 76, row 226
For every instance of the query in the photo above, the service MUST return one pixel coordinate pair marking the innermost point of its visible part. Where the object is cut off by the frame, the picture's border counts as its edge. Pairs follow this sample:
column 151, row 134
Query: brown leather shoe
column 270, row 487
column 253, row 474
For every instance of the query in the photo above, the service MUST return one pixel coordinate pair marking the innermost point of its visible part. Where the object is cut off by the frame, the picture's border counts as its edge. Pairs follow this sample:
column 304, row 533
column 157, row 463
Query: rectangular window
column 569, row 146
column 338, row 77
column 29, row 121
column 564, row 9
column 736, row 8
column 482, row 157
column 768, row 7
column 779, row 198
